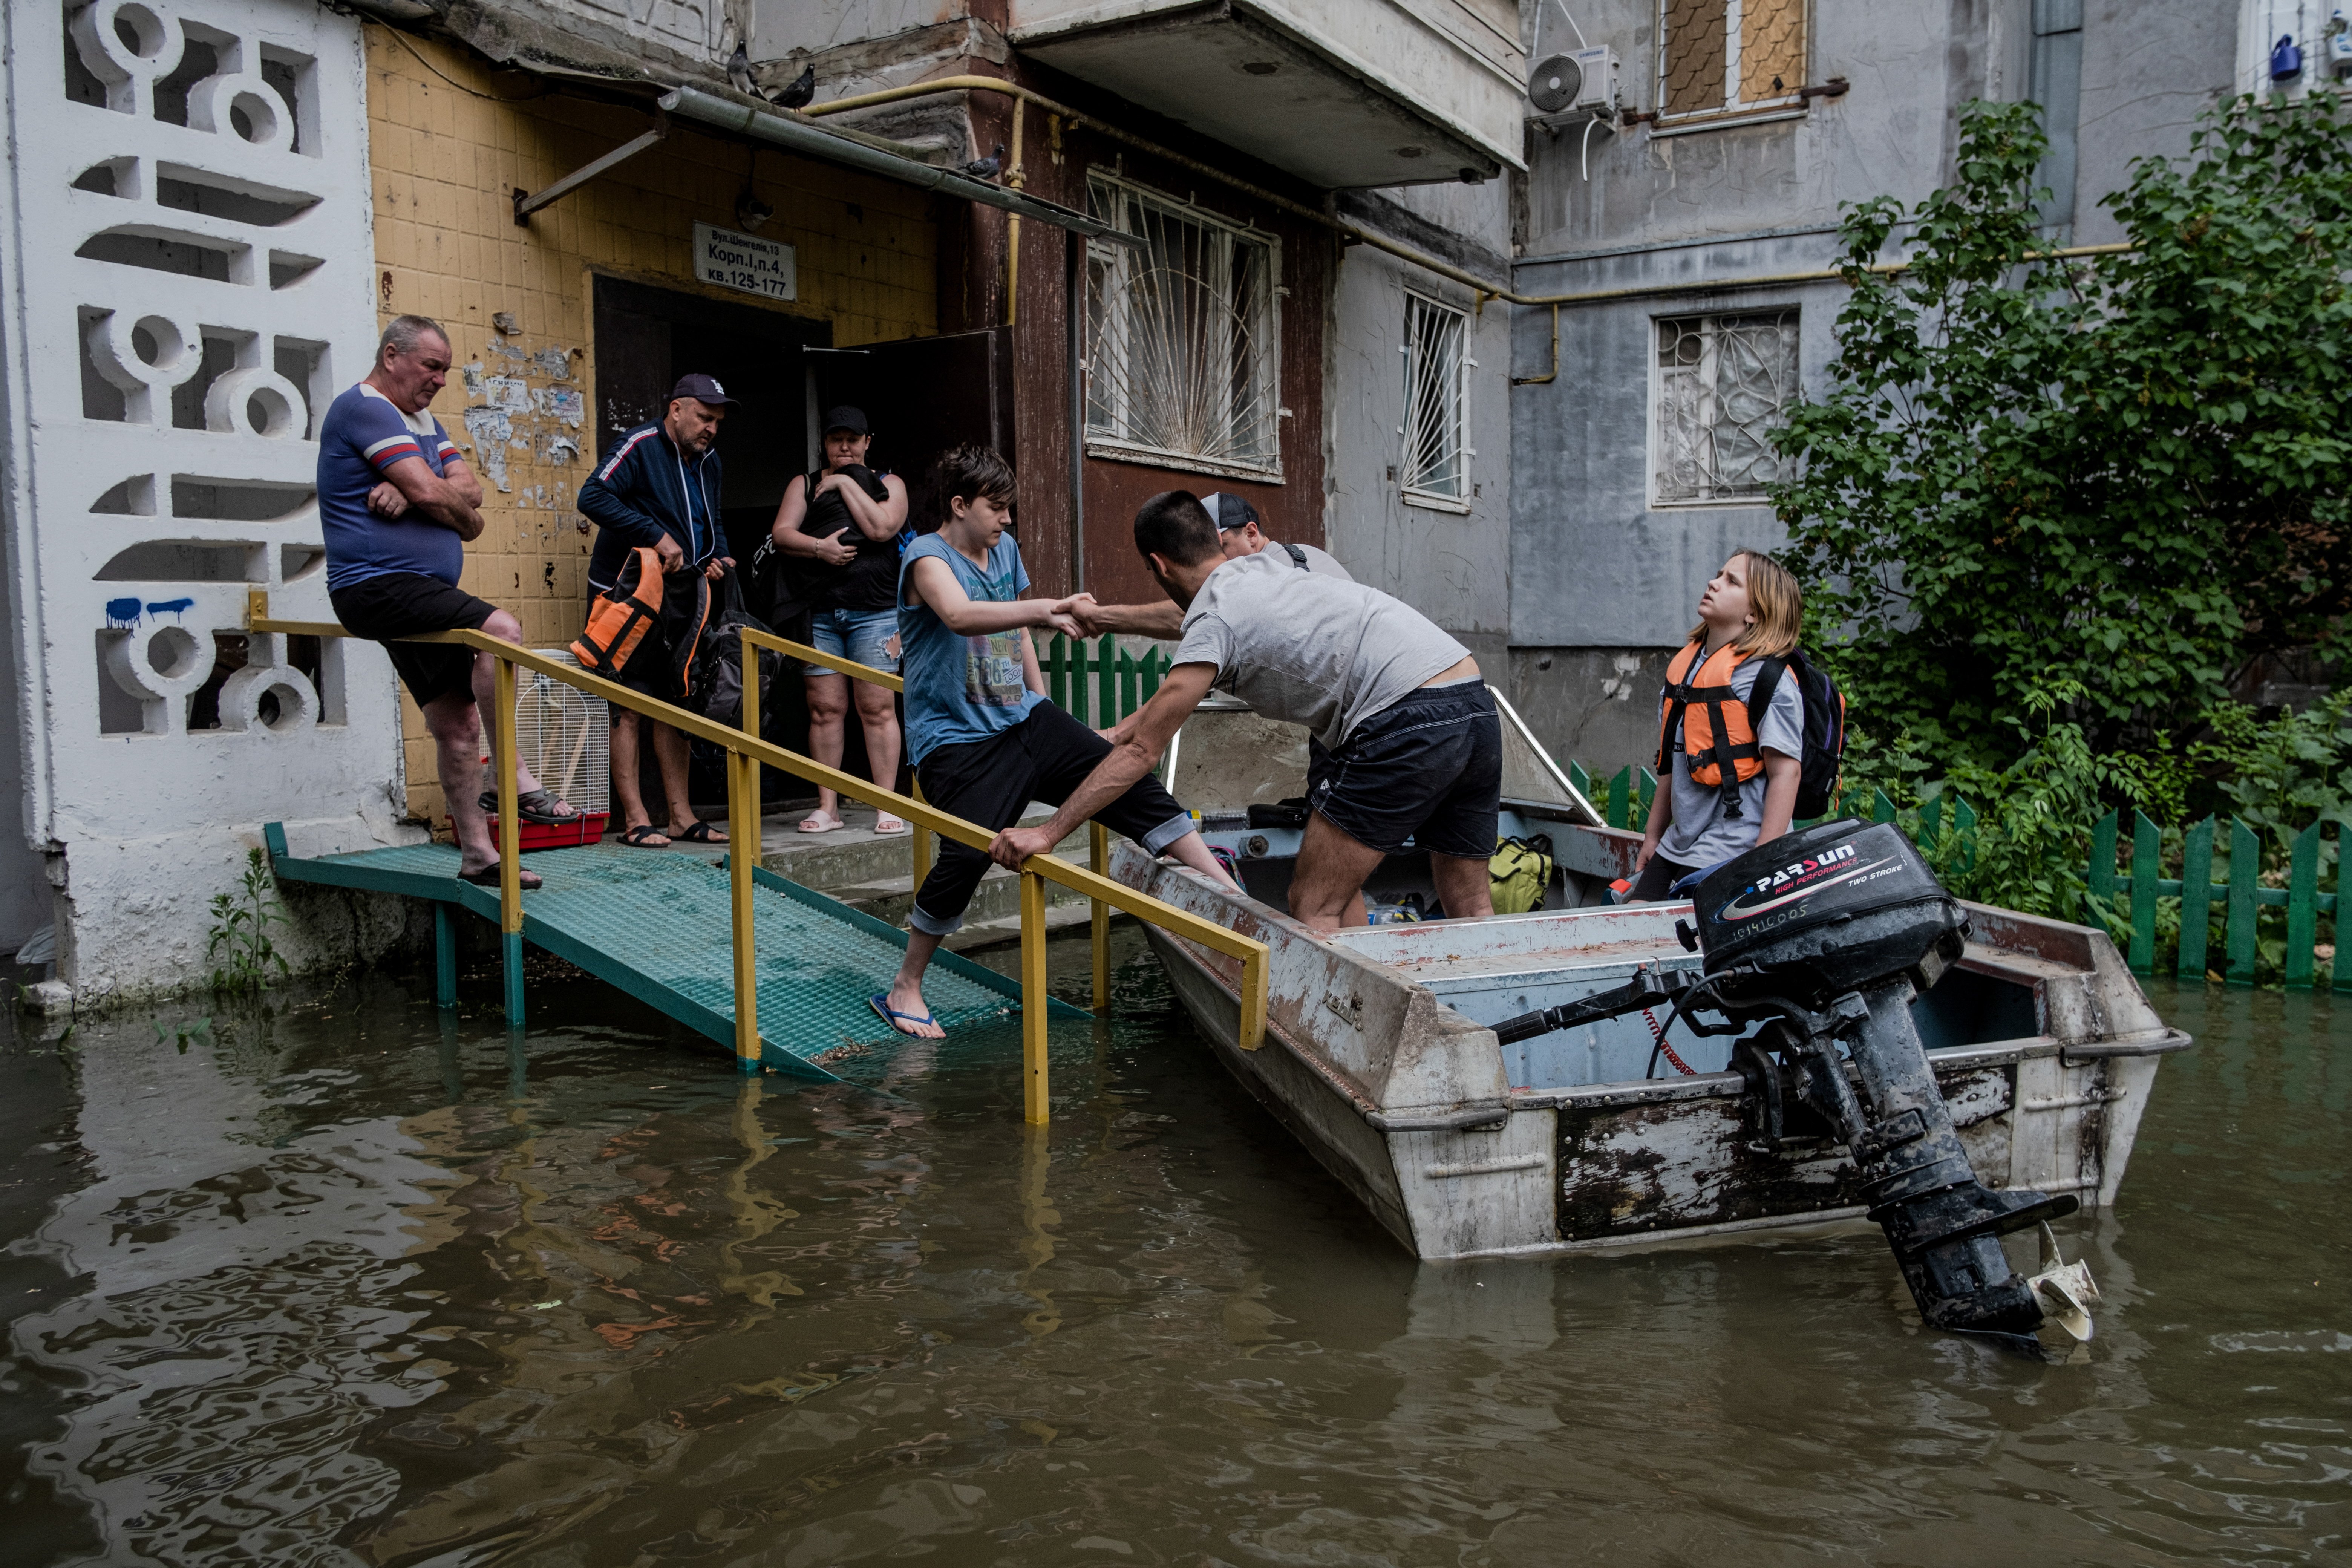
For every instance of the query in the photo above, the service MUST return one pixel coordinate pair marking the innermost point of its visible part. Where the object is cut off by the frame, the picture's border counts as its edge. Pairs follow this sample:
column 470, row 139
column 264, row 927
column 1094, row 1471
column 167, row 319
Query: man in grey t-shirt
column 1406, row 744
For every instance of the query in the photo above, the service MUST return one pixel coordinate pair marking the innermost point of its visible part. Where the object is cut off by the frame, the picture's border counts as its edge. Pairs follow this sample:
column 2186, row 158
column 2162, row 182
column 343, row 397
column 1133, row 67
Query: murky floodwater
column 362, row 1285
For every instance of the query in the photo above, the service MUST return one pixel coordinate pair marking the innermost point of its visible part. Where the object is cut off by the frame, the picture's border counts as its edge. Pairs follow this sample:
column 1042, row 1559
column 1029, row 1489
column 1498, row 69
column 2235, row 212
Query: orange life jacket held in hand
column 1718, row 734
column 618, row 621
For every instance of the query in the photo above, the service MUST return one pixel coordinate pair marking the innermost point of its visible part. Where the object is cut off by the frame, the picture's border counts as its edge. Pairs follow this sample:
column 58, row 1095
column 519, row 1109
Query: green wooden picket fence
column 1103, row 688
column 2241, row 894
column 2133, row 892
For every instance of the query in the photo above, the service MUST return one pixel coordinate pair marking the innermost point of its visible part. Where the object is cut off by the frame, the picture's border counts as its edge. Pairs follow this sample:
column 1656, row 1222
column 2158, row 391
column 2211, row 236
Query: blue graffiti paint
column 172, row 608
column 123, row 612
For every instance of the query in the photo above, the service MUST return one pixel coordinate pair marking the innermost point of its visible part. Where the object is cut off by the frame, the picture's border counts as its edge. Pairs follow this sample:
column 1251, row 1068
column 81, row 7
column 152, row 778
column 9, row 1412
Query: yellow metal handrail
column 746, row 754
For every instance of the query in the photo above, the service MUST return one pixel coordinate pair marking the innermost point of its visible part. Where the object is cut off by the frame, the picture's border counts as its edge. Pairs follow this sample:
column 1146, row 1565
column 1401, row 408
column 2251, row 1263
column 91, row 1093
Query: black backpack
column 716, row 692
column 1825, row 749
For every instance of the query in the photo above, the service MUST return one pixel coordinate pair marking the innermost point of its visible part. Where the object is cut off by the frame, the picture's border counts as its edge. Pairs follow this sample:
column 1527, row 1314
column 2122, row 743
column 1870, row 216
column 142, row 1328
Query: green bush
column 2120, row 478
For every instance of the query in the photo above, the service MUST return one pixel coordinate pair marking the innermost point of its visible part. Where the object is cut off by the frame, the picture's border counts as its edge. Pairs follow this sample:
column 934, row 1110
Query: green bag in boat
column 1520, row 871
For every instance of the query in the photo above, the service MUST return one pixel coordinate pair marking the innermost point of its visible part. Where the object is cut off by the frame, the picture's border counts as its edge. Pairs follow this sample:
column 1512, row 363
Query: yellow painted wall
column 449, row 139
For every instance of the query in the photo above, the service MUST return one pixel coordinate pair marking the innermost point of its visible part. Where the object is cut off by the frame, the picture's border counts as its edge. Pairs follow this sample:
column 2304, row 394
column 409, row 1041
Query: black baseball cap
column 1228, row 513
column 703, row 388
column 845, row 417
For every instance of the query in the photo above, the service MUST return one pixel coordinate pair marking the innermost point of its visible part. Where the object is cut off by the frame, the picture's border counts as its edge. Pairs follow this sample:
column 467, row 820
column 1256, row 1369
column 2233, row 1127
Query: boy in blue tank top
column 983, row 740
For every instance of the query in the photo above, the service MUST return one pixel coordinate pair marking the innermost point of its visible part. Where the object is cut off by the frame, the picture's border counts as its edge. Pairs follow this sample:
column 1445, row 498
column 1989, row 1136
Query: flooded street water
column 363, row 1284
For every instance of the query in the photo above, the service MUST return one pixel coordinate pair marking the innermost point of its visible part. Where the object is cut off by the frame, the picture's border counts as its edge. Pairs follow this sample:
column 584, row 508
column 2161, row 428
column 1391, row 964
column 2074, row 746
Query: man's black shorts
column 1429, row 768
column 398, row 603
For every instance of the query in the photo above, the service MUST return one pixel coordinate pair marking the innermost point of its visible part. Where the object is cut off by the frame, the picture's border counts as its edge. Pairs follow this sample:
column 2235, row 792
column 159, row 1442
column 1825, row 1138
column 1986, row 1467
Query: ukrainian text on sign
column 732, row 260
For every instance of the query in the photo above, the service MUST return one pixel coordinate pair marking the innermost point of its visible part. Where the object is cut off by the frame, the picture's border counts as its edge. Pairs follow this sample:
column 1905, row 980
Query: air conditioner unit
column 1578, row 82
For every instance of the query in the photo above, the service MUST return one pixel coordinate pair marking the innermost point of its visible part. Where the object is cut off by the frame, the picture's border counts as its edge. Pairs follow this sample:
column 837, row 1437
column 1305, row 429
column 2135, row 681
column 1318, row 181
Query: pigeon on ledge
column 739, row 73
column 799, row 91
column 986, row 168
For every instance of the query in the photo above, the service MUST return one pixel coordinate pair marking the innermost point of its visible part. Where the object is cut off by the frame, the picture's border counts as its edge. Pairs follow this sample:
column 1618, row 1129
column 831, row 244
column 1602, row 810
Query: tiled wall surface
column 449, row 142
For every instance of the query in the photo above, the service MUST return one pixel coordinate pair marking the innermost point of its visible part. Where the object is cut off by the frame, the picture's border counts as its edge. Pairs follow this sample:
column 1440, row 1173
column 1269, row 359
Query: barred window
column 1723, row 385
column 1436, row 428
column 1720, row 57
column 1182, row 357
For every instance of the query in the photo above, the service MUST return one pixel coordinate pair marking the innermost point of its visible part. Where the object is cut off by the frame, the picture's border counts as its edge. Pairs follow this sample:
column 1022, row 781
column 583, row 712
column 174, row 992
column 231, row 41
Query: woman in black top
column 838, row 530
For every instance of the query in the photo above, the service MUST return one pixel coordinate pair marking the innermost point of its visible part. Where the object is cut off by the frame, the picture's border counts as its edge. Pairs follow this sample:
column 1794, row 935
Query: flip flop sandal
column 488, row 876
column 832, row 825
column 880, row 1003
column 699, row 834
column 535, row 806
column 889, row 826
column 643, row 836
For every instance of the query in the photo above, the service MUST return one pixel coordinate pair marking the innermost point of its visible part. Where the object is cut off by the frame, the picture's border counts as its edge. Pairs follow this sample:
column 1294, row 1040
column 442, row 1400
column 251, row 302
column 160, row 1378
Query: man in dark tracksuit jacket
column 659, row 488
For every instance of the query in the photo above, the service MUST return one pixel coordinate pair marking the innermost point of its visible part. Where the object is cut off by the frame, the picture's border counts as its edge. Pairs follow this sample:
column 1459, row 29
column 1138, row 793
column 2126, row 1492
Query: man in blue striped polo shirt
column 396, row 503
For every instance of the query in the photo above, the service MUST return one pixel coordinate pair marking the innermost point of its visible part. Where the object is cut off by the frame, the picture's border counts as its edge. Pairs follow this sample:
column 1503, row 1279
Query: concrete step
column 854, row 855
column 889, row 899
column 1005, row 930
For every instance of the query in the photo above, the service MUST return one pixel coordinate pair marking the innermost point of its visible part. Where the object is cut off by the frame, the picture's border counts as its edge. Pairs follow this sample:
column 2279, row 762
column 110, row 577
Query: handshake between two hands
column 1078, row 615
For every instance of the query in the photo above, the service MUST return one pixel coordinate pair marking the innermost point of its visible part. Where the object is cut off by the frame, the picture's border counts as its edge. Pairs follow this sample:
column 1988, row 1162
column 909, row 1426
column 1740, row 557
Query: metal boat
column 1381, row 1056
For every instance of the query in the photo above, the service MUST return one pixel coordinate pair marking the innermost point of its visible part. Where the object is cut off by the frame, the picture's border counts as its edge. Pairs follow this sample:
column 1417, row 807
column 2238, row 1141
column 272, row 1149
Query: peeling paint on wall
column 491, row 428
column 508, row 414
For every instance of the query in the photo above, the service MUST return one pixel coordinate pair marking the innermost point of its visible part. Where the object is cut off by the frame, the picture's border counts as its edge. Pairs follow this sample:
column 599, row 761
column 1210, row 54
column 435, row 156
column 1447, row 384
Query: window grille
column 1436, row 401
column 1724, row 384
column 1182, row 360
column 1723, row 57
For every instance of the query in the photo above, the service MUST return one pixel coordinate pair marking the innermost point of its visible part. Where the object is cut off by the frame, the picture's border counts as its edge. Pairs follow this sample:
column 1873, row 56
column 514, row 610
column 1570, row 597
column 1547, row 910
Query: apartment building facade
column 1266, row 246
column 1135, row 248
column 1640, row 434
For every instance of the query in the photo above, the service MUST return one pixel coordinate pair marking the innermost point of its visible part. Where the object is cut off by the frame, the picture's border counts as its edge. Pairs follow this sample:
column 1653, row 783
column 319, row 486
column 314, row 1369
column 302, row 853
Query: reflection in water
column 373, row 1286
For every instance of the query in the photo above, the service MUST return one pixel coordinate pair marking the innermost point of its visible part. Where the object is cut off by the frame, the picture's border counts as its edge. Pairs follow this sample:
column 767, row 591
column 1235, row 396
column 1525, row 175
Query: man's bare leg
column 455, row 726
column 485, row 696
column 626, row 771
column 1326, row 885
column 1193, row 851
column 670, row 756
column 1465, row 887
column 906, row 992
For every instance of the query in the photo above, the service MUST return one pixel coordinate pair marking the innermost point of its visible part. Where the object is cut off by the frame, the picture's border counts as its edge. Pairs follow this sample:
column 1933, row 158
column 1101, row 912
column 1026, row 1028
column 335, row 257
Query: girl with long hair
column 1734, row 772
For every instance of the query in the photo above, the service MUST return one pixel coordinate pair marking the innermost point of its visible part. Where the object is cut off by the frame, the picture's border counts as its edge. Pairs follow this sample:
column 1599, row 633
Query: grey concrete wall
column 1594, row 706
column 2149, row 69
column 1451, row 566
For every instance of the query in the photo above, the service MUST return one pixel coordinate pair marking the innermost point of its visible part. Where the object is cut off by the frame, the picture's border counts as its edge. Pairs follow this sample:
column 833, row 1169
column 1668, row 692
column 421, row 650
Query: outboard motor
column 1825, row 936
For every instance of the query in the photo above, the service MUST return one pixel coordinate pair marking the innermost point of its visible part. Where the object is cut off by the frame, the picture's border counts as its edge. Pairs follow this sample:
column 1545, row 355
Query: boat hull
column 1410, row 1104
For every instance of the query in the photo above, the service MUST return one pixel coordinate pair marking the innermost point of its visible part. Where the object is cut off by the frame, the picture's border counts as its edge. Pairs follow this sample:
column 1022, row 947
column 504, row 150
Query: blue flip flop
column 880, row 1003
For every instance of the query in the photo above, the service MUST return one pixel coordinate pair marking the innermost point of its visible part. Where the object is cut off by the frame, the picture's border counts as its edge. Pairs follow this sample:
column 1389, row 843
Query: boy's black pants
column 1045, row 757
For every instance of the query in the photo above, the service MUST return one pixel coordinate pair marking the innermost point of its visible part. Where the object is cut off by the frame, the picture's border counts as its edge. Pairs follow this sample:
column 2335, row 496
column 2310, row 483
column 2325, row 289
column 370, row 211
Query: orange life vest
column 618, row 621
column 1718, row 732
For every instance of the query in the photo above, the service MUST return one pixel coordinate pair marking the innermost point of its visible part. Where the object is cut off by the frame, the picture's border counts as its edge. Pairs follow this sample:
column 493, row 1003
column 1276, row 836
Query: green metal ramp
column 658, row 926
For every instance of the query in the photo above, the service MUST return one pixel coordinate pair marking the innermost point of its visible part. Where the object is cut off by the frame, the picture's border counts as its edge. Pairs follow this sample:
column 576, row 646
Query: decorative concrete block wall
column 187, row 286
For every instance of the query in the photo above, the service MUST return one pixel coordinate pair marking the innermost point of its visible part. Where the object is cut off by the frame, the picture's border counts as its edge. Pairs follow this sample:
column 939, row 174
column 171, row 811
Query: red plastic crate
column 586, row 829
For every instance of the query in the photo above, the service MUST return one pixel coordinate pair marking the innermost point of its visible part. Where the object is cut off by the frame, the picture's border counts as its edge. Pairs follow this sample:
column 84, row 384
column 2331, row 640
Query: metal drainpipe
column 1074, row 332
column 1015, row 177
column 1377, row 242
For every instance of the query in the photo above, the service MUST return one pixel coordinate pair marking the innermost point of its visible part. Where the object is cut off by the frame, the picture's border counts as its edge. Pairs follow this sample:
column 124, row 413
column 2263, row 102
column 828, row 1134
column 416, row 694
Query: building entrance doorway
column 921, row 396
column 645, row 339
